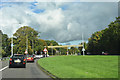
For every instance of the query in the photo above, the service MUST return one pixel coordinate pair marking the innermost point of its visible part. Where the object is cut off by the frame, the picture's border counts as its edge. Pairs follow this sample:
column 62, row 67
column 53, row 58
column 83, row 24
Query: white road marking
column 3, row 68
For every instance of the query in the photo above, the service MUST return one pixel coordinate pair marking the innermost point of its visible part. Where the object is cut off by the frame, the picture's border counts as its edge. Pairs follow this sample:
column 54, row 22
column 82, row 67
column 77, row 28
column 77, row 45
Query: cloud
column 12, row 16
column 60, row 0
column 58, row 21
column 99, row 0
column 119, row 8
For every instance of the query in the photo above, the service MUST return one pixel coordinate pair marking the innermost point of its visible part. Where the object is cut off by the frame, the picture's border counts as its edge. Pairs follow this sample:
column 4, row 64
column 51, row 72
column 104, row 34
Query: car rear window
column 29, row 55
column 18, row 56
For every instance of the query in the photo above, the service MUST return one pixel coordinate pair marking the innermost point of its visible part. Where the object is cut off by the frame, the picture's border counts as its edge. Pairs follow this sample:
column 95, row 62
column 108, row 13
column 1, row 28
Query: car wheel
column 10, row 66
column 24, row 66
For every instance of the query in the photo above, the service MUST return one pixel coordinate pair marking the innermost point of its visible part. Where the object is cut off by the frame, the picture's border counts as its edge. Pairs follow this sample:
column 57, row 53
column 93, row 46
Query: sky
column 64, row 22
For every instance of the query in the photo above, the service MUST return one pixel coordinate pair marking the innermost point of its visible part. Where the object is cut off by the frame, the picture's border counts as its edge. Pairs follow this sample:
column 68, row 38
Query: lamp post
column 32, row 43
column 83, row 49
column 26, row 43
column 12, row 52
column 12, row 45
column 0, row 46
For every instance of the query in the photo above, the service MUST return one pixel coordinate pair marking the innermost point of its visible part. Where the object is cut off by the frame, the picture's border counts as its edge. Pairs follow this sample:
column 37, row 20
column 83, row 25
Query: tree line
column 27, row 38
column 107, row 40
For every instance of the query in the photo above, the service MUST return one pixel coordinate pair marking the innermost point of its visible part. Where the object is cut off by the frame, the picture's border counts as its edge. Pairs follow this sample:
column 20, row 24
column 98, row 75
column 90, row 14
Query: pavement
column 31, row 72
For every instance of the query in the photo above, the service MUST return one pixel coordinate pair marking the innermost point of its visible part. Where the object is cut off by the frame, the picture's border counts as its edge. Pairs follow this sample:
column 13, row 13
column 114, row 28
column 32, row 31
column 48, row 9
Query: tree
column 94, row 45
column 107, row 40
column 3, row 53
column 111, row 37
column 73, row 50
column 39, row 45
column 4, row 44
column 22, row 35
column 52, row 43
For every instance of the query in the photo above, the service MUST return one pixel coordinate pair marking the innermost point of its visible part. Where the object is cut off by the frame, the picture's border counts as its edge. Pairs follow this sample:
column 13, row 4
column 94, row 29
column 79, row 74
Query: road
column 32, row 72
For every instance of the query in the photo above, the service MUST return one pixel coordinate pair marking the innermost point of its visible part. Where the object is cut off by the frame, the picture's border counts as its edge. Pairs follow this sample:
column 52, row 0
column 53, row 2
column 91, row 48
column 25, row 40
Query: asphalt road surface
column 31, row 72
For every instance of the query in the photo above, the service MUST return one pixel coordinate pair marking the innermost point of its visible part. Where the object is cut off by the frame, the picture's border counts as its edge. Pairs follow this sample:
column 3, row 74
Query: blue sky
column 38, row 11
column 75, row 42
column 64, row 22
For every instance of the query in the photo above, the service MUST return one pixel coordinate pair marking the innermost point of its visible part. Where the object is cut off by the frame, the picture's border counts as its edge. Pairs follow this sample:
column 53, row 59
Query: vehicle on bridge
column 17, row 60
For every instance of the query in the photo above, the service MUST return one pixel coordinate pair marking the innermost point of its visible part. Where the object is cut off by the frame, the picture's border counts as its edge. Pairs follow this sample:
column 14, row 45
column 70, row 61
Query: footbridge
column 65, row 46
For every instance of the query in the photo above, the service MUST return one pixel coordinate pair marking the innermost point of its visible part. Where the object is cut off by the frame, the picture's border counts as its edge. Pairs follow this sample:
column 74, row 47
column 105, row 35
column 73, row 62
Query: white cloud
column 69, row 26
column 60, row 0
column 99, row 0
column 57, row 23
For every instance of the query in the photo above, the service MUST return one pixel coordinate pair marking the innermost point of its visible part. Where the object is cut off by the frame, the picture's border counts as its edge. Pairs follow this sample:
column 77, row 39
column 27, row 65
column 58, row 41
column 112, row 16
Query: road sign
column 26, row 52
column 83, row 49
column 45, row 50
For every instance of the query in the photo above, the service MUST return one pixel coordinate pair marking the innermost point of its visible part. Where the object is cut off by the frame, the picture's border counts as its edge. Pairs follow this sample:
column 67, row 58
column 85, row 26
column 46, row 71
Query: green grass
column 81, row 66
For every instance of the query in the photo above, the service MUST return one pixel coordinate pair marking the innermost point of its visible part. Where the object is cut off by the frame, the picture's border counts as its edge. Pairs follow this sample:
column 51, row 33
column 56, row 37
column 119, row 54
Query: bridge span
column 65, row 46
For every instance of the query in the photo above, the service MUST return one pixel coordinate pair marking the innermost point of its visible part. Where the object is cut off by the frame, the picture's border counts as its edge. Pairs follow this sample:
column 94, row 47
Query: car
column 17, row 60
column 105, row 53
column 29, row 58
column 38, row 56
column 44, row 55
column 34, row 56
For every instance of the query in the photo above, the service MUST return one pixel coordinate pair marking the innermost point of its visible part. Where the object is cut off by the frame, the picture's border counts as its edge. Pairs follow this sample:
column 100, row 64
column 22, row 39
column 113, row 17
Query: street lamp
column 12, row 42
column 12, row 45
column 32, row 43
column 26, row 43
column 0, row 46
column 12, row 51
column 83, row 49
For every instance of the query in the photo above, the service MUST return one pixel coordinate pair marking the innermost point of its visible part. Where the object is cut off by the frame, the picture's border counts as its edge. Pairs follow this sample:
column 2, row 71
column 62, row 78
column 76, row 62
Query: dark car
column 29, row 58
column 17, row 60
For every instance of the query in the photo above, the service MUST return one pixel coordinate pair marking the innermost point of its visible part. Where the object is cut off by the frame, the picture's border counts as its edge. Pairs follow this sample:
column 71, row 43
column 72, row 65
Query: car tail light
column 10, row 62
column 10, row 59
column 31, row 58
column 24, row 60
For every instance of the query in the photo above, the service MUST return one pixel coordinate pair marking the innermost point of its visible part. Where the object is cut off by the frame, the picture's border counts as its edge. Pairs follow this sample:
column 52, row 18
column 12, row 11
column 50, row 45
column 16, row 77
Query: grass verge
column 81, row 66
